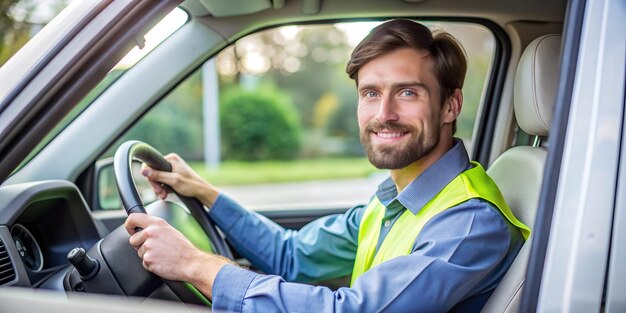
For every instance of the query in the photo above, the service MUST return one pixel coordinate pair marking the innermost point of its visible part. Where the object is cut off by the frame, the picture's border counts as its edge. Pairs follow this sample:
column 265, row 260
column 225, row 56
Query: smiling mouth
column 390, row 135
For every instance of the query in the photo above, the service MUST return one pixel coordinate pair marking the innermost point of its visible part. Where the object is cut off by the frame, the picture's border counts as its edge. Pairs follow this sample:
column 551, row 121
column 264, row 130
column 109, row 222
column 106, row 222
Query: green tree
column 13, row 33
column 321, row 70
column 259, row 124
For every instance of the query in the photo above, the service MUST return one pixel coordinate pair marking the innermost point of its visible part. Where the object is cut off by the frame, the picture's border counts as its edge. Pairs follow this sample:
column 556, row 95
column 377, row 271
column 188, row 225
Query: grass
column 241, row 173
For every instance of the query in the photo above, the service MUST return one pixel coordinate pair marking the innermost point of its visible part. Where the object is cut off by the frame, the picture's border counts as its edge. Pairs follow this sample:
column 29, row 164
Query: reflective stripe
column 473, row 183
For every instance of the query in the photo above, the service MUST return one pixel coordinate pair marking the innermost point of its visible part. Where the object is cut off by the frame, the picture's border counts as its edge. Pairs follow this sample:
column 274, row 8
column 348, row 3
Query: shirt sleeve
column 455, row 251
column 324, row 248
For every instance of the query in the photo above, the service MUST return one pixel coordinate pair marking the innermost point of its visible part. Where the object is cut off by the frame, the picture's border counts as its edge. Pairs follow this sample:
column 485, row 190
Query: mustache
column 376, row 126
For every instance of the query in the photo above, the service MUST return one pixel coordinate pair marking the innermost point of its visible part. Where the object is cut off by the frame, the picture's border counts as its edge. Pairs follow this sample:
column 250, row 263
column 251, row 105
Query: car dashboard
column 40, row 223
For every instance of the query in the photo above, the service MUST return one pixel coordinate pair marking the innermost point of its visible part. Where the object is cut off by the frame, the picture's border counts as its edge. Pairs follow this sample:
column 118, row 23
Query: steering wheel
column 137, row 150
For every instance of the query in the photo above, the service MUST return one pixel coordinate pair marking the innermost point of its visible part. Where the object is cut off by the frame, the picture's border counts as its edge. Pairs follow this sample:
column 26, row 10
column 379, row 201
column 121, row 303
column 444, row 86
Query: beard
column 397, row 156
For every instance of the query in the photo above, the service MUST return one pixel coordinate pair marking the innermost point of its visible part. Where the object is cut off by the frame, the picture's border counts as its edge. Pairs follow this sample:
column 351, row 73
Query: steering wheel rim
column 122, row 164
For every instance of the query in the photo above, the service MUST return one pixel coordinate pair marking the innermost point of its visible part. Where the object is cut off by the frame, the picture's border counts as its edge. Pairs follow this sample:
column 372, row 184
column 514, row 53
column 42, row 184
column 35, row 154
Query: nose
column 387, row 110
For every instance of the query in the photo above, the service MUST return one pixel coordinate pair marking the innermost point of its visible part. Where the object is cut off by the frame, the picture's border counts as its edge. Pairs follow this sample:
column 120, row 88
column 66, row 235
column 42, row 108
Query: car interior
column 49, row 202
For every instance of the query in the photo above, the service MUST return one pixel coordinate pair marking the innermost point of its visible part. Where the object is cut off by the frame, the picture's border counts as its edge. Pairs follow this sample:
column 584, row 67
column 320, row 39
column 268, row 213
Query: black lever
column 85, row 265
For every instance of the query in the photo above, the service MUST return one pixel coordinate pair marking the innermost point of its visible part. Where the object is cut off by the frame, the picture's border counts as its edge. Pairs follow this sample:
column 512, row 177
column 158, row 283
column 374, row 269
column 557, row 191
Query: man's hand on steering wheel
column 167, row 253
column 182, row 178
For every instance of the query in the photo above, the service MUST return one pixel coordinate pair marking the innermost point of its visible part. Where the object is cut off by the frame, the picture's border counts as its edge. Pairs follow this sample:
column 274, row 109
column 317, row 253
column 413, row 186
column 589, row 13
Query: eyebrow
column 398, row 85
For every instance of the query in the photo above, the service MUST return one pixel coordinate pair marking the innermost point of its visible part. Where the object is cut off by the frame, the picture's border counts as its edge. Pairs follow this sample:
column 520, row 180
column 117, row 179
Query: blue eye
column 408, row 93
column 370, row 94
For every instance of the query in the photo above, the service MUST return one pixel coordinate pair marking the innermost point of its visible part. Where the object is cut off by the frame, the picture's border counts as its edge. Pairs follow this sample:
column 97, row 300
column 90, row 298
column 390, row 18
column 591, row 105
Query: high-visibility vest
column 470, row 184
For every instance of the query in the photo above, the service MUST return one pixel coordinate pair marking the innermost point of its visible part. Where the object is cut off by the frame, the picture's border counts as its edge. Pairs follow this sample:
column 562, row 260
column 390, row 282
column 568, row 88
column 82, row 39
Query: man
column 437, row 236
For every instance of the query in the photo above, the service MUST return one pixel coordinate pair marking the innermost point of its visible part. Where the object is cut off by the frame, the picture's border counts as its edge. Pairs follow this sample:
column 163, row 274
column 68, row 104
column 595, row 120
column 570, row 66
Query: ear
column 452, row 107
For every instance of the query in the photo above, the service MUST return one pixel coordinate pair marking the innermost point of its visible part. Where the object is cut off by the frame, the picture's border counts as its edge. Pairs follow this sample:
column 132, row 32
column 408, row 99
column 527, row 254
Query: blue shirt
column 457, row 260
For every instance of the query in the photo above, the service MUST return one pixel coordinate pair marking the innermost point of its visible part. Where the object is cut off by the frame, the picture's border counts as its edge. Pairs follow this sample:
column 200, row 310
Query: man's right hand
column 183, row 179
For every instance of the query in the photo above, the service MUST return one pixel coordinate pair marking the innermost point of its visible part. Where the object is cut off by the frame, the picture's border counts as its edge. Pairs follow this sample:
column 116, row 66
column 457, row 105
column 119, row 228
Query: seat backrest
column 518, row 172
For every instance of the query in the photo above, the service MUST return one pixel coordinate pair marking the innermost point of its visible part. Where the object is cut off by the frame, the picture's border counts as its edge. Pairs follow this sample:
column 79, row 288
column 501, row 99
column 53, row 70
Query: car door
column 577, row 240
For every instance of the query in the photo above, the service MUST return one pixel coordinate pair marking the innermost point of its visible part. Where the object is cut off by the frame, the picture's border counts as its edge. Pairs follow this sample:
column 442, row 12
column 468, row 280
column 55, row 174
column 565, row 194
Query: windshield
column 168, row 25
column 19, row 23
column 21, row 20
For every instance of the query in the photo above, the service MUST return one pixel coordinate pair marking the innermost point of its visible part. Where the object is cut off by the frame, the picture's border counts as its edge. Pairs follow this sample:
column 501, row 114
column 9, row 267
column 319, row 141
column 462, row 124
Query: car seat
column 518, row 172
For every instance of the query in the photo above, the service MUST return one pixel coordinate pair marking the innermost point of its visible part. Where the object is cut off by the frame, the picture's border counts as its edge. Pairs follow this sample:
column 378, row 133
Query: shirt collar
column 426, row 186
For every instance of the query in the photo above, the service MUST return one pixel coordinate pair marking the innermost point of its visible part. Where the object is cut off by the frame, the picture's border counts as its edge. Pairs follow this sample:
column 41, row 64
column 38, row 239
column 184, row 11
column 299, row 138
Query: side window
column 272, row 119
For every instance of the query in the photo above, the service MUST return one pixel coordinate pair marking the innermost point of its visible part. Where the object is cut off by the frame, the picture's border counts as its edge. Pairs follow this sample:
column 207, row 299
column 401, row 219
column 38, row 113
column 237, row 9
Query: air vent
column 7, row 273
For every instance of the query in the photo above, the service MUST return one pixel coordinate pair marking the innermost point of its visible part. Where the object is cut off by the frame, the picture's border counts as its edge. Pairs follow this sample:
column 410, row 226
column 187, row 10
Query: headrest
column 535, row 84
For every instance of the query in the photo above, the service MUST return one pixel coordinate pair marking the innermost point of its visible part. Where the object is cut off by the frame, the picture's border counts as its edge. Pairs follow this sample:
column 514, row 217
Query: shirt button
column 387, row 223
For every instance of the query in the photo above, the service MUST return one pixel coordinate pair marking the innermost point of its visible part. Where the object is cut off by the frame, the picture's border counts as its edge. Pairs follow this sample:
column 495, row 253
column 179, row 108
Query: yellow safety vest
column 473, row 183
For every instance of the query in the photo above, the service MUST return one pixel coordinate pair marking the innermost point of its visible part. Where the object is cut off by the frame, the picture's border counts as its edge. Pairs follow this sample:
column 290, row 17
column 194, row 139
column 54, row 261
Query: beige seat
column 519, row 171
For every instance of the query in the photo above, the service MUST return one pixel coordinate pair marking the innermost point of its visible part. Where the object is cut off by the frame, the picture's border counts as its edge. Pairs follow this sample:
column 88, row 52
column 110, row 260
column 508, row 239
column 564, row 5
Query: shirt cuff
column 230, row 287
column 225, row 212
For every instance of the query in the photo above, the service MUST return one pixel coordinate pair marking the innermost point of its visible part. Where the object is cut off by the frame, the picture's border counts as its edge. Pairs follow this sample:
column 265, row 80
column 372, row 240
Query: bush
column 258, row 124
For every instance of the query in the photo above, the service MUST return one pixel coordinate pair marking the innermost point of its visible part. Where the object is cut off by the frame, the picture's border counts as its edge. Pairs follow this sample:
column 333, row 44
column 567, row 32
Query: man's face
column 399, row 108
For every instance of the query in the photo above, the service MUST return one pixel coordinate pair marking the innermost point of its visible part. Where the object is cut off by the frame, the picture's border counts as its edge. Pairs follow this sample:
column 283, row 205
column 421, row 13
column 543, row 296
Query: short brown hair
column 448, row 56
